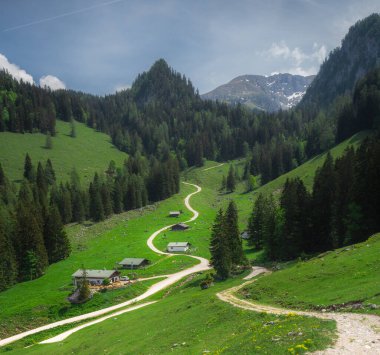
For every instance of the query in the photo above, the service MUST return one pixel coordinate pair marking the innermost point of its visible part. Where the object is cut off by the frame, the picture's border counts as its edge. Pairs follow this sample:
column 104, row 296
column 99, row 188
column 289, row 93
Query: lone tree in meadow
column 49, row 141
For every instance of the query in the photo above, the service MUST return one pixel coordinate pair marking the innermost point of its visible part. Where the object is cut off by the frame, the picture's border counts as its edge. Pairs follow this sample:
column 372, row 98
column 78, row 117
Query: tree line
column 32, row 217
column 341, row 209
column 162, row 113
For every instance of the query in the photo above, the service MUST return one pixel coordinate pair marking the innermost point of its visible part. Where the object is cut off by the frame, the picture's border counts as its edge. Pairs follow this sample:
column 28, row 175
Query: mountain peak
column 268, row 93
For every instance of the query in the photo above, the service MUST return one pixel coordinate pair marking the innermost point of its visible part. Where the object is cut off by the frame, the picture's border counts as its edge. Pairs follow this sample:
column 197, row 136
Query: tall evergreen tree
column 29, row 173
column 231, row 182
column 96, row 204
column 220, row 254
column 256, row 222
column 56, row 241
column 8, row 264
column 231, row 229
column 295, row 204
column 322, row 201
column 49, row 172
column 31, row 251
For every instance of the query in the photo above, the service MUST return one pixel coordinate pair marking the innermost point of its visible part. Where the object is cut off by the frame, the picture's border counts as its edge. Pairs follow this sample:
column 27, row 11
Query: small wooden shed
column 96, row 277
column 178, row 246
column 133, row 263
column 180, row 227
column 174, row 213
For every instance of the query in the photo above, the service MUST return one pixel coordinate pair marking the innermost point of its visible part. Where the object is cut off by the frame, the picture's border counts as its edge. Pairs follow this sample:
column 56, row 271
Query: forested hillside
column 345, row 65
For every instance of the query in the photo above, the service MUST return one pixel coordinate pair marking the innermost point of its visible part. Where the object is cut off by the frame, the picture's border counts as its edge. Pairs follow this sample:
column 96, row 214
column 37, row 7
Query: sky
column 100, row 46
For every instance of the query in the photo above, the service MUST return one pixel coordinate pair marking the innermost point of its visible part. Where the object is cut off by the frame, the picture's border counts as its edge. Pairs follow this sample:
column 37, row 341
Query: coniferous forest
column 32, row 217
column 342, row 208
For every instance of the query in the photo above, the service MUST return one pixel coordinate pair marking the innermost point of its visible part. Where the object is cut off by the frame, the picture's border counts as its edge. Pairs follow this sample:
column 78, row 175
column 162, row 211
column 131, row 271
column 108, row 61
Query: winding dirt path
column 213, row 167
column 171, row 279
column 358, row 334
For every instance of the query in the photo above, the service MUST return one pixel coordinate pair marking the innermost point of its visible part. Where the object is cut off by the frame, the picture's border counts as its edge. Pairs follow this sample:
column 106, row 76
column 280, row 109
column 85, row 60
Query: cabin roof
column 94, row 273
column 132, row 261
column 178, row 244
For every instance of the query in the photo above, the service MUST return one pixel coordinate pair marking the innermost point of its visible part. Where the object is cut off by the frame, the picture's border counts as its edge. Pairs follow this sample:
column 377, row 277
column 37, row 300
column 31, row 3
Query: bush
column 106, row 282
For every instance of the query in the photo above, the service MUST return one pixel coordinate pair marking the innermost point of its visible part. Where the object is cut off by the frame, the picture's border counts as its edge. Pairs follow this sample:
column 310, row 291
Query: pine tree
column 56, row 241
column 73, row 131
column 84, row 288
column 2, row 177
column 78, row 210
column 220, row 255
column 49, row 141
column 29, row 173
column 231, row 182
column 322, row 203
column 273, row 229
column 223, row 184
column 49, row 172
column 117, row 195
column 32, row 255
column 256, row 222
column 8, row 265
column 231, row 229
column 251, row 183
column 295, row 204
column 96, row 204
column 106, row 200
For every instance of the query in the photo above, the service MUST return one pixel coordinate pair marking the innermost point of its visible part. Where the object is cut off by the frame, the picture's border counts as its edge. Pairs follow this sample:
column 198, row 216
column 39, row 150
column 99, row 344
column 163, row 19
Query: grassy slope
column 98, row 246
column 191, row 321
column 340, row 276
column 89, row 152
column 137, row 231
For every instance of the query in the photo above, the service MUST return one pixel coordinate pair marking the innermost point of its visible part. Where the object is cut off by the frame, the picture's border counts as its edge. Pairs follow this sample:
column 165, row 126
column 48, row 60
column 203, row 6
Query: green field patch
column 193, row 321
column 89, row 152
column 347, row 275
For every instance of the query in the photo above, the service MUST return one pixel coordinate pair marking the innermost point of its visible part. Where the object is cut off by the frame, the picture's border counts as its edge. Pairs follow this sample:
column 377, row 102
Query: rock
column 324, row 310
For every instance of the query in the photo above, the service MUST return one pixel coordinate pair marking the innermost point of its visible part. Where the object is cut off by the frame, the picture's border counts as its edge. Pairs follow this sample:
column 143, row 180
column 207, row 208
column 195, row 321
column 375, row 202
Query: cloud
column 296, row 54
column 52, row 82
column 13, row 69
column 300, row 62
column 302, row 71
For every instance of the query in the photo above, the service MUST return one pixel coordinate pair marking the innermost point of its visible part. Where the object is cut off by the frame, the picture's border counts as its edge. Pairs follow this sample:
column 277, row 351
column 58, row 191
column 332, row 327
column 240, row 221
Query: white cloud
column 302, row 71
column 52, row 82
column 319, row 53
column 13, row 69
column 300, row 63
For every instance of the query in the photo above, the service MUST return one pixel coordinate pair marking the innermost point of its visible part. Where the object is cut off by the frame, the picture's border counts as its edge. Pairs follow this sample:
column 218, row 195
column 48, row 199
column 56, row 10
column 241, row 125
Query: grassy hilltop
column 88, row 152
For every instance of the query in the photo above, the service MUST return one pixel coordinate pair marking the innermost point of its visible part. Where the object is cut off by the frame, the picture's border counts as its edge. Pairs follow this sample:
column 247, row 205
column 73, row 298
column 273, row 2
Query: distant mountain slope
column 358, row 54
column 268, row 93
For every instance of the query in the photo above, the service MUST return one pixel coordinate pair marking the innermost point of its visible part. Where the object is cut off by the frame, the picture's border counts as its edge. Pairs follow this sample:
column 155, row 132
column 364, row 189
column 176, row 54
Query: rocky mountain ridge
column 268, row 93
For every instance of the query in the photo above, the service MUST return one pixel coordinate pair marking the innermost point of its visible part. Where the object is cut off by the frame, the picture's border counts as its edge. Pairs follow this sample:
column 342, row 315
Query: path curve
column 171, row 279
column 357, row 333
column 213, row 167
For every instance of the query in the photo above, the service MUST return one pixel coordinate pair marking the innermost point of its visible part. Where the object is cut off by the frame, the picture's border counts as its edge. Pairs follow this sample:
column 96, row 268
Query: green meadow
column 88, row 152
column 346, row 275
column 194, row 321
